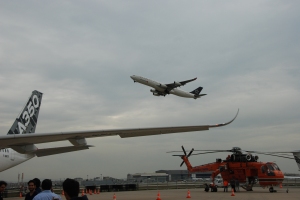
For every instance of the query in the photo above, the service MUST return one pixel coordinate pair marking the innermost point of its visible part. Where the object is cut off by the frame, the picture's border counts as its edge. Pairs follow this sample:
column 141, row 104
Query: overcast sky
column 81, row 54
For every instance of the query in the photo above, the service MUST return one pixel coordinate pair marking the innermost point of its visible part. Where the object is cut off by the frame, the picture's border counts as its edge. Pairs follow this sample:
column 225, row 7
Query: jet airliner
column 19, row 144
column 171, row 88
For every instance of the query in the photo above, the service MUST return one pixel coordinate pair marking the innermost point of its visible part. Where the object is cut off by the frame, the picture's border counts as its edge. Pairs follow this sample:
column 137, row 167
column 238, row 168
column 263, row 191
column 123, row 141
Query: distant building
column 147, row 177
column 79, row 180
column 178, row 175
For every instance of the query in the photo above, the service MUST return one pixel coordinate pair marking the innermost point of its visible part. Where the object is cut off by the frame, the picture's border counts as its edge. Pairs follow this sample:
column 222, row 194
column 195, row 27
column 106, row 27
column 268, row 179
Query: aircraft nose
column 132, row 77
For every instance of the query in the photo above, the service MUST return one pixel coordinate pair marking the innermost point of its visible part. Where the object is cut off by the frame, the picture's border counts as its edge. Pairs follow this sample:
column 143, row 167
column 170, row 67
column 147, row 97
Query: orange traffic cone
column 232, row 192
column 20, row 194
column 98, row 191
column 114, row 197
column 95, row 191
column 90, row 191
column 63, row 193
column 188, row 194
column 82, row 193
column 158, row 196
column 280, row 185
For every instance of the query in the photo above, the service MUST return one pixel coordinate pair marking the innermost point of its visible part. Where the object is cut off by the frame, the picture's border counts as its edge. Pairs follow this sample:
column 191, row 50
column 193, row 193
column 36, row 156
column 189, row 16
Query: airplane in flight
column 18, row 145
column 171, row 88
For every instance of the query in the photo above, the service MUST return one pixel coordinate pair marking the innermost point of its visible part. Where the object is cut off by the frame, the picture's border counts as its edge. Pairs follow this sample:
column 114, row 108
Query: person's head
column 47, row 184
column 31, row 185
column 3, row 185
column 37, row 182
column 71, row 188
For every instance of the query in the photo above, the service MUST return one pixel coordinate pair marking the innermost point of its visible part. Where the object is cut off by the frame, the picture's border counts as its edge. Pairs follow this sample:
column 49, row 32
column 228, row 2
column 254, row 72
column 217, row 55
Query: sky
column 81, row 54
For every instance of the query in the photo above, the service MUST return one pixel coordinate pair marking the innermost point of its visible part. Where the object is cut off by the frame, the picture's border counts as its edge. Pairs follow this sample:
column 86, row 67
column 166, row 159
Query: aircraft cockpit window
column 270, row 167
column 270, row 170
column 275, row 166
column 263, row 169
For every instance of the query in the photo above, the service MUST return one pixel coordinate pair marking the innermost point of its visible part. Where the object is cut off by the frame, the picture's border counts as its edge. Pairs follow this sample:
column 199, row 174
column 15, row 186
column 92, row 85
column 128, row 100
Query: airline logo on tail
column 26, row 122
column 197, row 91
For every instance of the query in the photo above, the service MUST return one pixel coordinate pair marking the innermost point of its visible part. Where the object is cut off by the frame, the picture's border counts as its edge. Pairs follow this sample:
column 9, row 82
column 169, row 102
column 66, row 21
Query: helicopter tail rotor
column 190, row 153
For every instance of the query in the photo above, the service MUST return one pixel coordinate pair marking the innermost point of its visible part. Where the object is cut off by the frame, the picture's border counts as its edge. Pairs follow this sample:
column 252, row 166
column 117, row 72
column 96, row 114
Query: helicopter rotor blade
column 190, row 152
column 203, row 153
column 280, row 156
column 216, row 150
column 183, row 150
column 207, row 150
column 181, row 163
column 276, row 154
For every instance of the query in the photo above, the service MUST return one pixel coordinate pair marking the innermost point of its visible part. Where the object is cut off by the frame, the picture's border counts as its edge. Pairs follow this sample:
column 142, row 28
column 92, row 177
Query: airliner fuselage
column 10, row 158
column 163, row 89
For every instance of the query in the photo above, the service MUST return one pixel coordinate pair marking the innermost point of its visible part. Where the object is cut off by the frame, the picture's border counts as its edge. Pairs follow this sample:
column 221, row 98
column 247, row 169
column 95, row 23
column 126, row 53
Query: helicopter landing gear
column 206, row 188
column 212, row 188
column 247, row 188
column 271, row 189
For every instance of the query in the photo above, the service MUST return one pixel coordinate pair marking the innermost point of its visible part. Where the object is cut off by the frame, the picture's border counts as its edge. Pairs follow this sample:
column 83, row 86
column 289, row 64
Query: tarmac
column 198, row 193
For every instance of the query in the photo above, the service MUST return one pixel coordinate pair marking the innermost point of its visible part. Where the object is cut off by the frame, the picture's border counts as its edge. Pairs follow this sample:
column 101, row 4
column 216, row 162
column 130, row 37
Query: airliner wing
column 178, row 84
column 21, row 142
column 22, row 138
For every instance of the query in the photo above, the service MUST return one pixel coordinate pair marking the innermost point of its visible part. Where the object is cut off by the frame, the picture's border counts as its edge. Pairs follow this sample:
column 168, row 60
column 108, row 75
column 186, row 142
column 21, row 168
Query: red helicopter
column 242, row 166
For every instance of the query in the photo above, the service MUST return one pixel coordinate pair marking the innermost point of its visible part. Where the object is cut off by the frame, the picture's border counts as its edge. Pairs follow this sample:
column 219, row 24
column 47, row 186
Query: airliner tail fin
column 27, row 120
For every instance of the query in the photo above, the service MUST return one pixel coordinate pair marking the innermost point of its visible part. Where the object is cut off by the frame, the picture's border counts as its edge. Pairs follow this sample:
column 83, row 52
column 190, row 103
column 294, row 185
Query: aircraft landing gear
column 206, row 188
column 271, row 189
column 247, row 188
column 214, row 189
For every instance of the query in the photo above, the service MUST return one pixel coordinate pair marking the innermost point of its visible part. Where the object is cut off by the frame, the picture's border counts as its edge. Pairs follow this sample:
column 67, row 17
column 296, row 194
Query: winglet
column 224, row 124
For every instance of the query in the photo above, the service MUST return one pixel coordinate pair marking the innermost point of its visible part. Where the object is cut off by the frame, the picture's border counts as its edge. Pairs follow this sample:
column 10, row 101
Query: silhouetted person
column 71, row 189
column 237, row 185
column 232, row 184
column 37, row 185
column 225, row 184
column 47, row 194
column 32, row 193
column 3, row 185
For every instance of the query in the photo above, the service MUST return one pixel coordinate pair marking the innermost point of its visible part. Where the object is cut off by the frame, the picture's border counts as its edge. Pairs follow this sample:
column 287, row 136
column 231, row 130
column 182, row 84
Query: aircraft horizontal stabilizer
column 58, row 150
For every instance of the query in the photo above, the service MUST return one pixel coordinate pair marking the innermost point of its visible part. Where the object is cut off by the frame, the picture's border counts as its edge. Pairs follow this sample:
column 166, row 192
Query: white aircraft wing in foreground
column 19, row 144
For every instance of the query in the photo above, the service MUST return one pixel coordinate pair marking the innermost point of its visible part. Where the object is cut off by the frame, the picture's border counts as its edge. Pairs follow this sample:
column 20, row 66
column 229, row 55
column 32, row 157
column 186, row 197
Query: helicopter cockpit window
column 270, row 167
column 275, row 166
column 264, row 169
column 270, row 170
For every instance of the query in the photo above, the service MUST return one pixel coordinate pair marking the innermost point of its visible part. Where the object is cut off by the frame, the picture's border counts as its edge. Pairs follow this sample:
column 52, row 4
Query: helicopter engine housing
column 248, row 157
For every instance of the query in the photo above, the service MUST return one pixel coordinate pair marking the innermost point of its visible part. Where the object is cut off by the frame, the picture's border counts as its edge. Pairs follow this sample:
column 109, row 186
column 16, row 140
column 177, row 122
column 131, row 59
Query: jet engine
column 156, row 94
column 153, row 90
column 256, row 157
column 177, row 83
